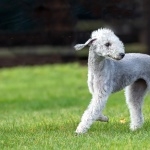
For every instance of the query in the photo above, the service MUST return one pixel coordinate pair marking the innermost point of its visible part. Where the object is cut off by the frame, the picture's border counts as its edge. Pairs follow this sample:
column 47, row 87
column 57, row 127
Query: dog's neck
column 95, row 61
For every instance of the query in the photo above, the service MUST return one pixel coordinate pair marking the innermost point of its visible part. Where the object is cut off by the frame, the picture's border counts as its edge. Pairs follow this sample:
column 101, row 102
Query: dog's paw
column 103, row 118
column 135, row 127
column 80, row 130
column 78, row 133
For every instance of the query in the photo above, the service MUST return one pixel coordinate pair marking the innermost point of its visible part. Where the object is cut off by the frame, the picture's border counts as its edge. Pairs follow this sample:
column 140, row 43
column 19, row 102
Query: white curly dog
column 110, row 70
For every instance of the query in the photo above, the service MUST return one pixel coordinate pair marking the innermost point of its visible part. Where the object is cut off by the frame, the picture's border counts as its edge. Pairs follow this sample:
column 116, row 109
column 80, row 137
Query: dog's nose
column 122, row 55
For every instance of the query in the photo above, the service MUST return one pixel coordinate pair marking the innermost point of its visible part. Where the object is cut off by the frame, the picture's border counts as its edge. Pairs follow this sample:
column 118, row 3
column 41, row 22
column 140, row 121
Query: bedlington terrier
column 110, row 70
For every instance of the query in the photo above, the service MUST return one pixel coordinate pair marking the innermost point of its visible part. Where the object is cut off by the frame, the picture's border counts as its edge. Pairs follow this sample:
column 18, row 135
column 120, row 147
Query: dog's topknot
column 101, row 32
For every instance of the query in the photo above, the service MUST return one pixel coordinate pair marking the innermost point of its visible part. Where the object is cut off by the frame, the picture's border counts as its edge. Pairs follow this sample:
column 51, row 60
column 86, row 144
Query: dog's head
column 104, row 43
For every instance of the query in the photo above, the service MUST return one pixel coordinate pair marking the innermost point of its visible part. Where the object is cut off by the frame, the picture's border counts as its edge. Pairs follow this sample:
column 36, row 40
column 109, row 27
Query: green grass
column 41, row 106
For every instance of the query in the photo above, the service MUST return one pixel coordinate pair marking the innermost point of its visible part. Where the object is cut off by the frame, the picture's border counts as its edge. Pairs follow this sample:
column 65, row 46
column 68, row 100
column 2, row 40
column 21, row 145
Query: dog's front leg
column 90, row 82
column 93, row 112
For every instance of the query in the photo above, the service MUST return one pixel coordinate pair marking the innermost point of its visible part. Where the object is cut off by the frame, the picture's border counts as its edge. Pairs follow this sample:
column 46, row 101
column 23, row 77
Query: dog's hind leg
column 134, row 98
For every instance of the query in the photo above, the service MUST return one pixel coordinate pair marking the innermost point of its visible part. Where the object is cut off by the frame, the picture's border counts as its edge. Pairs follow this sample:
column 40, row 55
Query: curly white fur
column 109, row 71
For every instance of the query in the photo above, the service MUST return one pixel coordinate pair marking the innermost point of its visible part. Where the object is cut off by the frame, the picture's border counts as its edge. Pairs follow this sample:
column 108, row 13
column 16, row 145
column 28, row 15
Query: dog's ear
column 81, row 46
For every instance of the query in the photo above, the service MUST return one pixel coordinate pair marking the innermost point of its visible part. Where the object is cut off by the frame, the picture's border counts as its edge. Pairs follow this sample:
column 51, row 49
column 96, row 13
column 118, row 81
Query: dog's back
column 132, row 67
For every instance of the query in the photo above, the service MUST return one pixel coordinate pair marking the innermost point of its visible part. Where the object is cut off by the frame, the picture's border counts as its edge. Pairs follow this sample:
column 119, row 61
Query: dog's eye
column 108, row 44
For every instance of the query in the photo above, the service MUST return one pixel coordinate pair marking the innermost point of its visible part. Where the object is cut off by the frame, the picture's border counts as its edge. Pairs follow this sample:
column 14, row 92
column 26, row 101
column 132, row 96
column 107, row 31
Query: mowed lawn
column 40, row 108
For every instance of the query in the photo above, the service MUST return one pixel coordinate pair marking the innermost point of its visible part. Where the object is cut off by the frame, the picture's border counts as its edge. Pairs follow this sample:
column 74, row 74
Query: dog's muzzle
column 120, row 56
